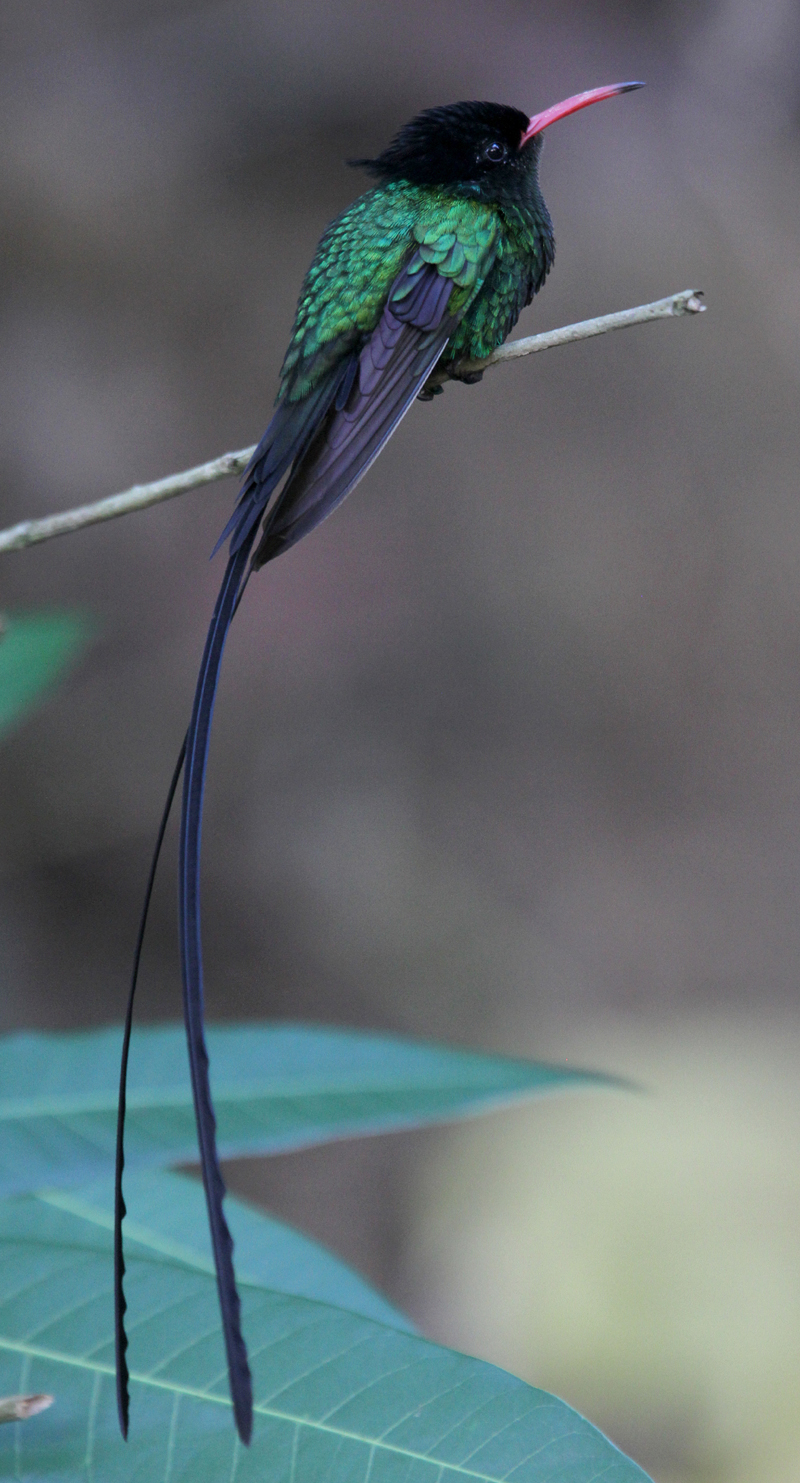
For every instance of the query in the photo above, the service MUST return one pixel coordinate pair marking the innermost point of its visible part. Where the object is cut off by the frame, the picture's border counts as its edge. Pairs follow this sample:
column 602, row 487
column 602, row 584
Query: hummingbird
column 430, row 268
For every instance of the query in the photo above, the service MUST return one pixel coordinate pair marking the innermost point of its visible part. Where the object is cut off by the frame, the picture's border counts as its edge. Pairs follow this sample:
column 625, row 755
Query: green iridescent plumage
column 497, row 256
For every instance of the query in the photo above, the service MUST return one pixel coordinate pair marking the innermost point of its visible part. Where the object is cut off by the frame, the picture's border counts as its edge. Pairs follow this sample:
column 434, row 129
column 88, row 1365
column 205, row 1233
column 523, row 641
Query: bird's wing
column 293, row 426
column 369, row 327
column 393, row 365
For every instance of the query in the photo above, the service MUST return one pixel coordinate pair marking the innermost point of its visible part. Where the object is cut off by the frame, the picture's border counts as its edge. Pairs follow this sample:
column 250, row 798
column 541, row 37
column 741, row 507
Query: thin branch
column 688, row 302
column 28, row 532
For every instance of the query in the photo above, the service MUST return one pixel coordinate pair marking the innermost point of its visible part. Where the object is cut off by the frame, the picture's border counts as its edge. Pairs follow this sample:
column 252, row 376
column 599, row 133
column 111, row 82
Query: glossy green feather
column 494, row 254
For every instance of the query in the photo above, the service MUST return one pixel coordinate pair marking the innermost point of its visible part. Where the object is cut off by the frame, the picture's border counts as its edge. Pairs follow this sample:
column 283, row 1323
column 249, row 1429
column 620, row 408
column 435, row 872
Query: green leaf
column 275, row 1087
column 167, row 1214
column 33, row 653
column 337, row 1397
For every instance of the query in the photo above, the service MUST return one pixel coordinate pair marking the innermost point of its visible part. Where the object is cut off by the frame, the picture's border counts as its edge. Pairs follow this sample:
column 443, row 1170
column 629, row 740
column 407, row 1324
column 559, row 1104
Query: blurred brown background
column 506, row 753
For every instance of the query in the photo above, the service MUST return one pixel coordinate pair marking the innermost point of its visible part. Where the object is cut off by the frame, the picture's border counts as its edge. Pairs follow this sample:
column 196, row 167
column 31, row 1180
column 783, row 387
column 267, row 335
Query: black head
column 473, row 148
column 478, row 149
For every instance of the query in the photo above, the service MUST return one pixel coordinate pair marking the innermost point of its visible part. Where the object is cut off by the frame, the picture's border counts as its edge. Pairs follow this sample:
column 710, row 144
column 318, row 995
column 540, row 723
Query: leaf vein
column 192, row 1393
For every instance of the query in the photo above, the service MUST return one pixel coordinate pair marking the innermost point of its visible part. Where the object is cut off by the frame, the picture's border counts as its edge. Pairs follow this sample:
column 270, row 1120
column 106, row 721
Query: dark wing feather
column 392, row 367
column 291, row 429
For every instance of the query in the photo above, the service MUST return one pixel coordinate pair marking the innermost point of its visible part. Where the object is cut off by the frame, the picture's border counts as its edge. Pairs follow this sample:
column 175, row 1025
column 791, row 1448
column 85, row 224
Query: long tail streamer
column 195, row 746
column 192, row 964
column 120, row 1337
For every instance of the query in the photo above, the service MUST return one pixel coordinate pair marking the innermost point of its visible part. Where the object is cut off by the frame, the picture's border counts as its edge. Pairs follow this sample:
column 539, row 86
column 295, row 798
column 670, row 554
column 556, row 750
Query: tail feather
column 120, row 1337
column 287, row 437
column 192, row 963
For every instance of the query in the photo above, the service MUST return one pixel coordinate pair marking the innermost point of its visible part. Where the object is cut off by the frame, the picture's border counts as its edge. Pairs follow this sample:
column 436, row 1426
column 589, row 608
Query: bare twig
column 28, row 532
column 687, row 302
column 20, row 1407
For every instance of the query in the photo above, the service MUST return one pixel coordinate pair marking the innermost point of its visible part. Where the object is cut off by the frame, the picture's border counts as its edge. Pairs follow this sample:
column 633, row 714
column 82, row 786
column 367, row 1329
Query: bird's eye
column 494, row 151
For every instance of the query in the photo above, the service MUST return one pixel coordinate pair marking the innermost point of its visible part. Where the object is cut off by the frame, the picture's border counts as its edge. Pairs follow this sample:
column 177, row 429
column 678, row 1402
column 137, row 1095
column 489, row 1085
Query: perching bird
column 431, row 267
